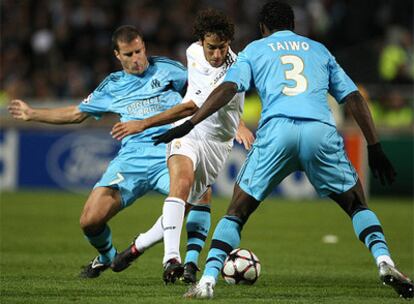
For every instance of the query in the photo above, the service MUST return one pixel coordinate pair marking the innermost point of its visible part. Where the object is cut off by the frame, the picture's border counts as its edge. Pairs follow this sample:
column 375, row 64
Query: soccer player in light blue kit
column 293, row 75
column 145, row 87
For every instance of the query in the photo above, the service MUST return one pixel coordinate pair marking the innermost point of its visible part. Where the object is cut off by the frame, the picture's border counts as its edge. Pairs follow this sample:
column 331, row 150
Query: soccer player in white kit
column 195, row 160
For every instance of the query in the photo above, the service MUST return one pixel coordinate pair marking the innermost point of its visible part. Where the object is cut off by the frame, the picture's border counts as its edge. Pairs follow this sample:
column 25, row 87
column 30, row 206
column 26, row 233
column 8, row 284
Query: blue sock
column 103, row 243
column 198, row 226
column 369, row 231
column 226, row 237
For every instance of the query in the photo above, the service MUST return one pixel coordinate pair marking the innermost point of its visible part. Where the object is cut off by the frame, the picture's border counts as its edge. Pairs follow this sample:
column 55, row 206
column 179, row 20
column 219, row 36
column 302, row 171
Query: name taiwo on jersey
column 289, row 46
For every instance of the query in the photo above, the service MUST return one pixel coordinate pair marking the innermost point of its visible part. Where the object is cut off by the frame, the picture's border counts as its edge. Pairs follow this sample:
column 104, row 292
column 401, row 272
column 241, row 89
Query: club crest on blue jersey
column 155, row 83
column 87, row 99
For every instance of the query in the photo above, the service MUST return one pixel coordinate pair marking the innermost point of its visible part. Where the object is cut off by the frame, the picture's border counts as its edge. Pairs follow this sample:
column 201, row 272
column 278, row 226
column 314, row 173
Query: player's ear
column 116, row 53
column 201, row 39
column 262, row 28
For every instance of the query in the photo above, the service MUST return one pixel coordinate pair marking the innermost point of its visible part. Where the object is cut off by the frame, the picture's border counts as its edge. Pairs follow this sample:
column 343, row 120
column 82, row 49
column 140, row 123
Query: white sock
column 385, row 258
column 173, row 218
column 153, row 236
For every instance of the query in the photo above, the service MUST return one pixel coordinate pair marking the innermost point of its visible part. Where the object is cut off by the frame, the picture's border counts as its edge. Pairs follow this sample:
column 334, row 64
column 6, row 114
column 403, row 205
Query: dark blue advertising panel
column 74, row 160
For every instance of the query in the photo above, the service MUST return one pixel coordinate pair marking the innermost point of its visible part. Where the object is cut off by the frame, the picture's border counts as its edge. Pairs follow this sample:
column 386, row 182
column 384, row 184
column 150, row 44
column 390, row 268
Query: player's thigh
column 181, row 175
column 160, row 179
column 183, row 158
column 324, row 159
column 128, row 173
column 212, row 158
column 272, row 157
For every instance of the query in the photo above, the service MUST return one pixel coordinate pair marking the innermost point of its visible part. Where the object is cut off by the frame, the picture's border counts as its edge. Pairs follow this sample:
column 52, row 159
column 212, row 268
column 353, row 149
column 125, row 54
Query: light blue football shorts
column 285, row 145
column 137, row 169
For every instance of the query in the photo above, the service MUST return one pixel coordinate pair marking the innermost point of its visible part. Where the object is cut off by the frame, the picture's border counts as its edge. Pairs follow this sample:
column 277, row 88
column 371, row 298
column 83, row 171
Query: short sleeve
column 240, row 73
column 194, row 92
column 340, row 84
column 98, row 102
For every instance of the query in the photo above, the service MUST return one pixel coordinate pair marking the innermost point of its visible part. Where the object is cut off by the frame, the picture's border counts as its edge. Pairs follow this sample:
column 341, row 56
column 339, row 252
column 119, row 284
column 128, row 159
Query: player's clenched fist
column 122, row 129
column 19, row 109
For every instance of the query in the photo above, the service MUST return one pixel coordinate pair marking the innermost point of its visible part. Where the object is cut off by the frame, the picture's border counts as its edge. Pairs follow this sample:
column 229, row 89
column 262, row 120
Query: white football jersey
column 202, row 80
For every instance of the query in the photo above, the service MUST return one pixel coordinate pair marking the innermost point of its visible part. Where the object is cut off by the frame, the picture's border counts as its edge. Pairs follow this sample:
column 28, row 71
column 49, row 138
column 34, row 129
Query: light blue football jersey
column 136, row 97
column 292, row 75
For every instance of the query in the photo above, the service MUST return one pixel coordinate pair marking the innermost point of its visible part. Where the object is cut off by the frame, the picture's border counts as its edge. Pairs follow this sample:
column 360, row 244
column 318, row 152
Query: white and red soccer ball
column 241, row 267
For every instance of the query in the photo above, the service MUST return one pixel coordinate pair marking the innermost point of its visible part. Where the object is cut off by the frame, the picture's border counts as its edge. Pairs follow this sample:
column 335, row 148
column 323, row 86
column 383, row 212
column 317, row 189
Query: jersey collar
column 282, row 33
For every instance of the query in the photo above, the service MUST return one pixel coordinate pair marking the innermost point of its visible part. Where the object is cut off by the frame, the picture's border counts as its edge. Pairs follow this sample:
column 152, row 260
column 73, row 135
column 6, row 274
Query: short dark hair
column 124, row 33
column 277, row 16
column 213, row 21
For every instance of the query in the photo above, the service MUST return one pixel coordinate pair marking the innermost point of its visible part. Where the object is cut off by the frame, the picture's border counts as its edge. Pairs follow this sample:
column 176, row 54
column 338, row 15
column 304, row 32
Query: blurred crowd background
column 60, row 50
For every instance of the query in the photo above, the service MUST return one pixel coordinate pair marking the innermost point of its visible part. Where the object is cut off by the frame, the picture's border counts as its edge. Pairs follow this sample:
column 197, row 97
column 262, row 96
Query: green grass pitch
column 42, row 249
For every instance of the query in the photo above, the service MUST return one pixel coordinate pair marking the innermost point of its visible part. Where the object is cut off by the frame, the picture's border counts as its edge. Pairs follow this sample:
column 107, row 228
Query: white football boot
column 390, row 275
column 204, row 289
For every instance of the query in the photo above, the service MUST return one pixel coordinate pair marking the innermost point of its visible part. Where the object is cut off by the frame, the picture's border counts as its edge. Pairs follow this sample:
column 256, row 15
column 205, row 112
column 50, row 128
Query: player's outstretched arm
column 182, row 110
column 244, row 135
column 217, row 99
column 65, row 115
column 379, row 163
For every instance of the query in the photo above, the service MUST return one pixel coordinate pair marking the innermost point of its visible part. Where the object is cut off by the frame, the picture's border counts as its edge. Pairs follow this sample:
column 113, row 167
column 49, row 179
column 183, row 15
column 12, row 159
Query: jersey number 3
column 295, row 74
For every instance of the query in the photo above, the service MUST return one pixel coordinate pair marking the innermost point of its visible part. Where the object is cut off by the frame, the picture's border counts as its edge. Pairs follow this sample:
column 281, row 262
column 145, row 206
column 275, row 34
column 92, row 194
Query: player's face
column 215, row 49
column 132, row 56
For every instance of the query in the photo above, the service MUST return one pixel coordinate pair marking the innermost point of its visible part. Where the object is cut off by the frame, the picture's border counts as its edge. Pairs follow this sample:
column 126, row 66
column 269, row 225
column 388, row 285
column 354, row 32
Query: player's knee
column 181, row 187
column 185, row 183
column 242, row 204
column 237, row 212
column 351, row 201
column 90, row 223
column 356, row 206
column 242, row 211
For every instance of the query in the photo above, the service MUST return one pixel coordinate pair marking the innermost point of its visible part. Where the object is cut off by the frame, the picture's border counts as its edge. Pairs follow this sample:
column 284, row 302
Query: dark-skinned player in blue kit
column 293, row 75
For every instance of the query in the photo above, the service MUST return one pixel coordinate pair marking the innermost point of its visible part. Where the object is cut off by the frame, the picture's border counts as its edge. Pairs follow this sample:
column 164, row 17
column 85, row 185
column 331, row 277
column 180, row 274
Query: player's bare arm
column 357, row 105
column 216, row 100
column 122, row 129
column 65, row 115
column 244, row 135
column 379, row 163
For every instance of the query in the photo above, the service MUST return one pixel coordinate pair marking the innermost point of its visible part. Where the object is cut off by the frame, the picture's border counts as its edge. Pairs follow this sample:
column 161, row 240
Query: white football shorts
column 208, row 156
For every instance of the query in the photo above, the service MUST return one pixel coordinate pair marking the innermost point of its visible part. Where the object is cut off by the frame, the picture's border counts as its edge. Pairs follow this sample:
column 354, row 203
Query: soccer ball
column 241, row 267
